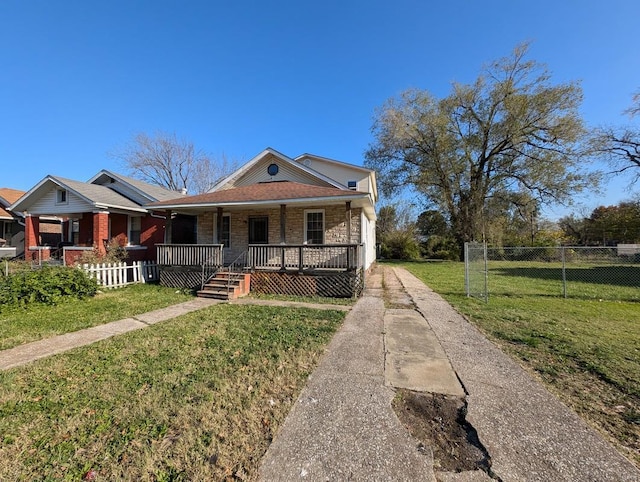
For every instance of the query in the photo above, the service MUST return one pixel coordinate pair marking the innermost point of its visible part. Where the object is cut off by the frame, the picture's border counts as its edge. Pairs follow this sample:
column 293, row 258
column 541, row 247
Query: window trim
column 253, row 218
column 218, row 236
column 62, row 196
column 305, row 225
column 130, row 230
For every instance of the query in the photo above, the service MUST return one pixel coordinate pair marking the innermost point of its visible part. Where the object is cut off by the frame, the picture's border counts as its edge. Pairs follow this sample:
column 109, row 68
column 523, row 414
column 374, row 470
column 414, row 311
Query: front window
column 314, row 227
column 259, row 230
column 225, row 235
column 135, row 228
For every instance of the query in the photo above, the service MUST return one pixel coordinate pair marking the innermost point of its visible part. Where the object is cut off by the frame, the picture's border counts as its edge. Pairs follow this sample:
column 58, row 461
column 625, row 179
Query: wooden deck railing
column 305, row 257
column 189, row 254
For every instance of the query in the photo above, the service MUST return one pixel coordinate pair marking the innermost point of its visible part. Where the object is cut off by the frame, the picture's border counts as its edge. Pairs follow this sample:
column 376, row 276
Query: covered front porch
column 332, row 270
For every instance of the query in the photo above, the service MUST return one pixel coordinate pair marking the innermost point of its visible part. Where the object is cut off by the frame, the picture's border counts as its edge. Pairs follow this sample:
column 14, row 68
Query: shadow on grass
column 628, row 276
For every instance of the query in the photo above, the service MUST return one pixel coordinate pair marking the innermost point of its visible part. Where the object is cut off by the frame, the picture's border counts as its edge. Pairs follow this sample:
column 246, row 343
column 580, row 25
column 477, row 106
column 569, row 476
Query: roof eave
column 305, row 200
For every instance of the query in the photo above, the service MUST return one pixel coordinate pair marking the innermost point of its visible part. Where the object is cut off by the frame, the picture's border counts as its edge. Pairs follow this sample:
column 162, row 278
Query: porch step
column 226, row 286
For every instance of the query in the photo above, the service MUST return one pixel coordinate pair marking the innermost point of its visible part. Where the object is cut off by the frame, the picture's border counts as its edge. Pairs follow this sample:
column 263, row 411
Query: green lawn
column 194, row 398
column 586, row 350
column 23, row 325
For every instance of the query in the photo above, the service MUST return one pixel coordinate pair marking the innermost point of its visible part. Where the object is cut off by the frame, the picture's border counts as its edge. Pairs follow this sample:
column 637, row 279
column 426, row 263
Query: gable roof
column 276, row 192
column 151, row 192
column 101, row 192
column 306, row 155
column 100, row 197
column 237, row 174
column 7, row 197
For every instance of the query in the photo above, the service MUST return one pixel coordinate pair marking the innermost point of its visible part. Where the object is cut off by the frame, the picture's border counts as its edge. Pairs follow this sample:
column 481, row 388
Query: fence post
column 466, row 269
column 486, row 272
column 564, row 272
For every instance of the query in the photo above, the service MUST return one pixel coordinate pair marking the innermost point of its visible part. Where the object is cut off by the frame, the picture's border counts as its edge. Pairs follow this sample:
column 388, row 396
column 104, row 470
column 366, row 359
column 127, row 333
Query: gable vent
column 353, row 185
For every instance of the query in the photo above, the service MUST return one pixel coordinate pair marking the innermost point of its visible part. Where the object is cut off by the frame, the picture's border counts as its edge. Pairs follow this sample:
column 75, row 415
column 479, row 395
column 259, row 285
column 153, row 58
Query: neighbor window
column 135, row 228
column 61, row 196
column 314, row 227
column 75, row 231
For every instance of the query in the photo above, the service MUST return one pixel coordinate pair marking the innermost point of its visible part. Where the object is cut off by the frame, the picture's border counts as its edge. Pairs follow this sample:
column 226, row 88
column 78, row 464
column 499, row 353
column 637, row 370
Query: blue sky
column 78, row 78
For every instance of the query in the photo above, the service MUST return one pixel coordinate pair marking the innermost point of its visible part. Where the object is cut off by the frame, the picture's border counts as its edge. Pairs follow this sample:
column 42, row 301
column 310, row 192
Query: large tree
column 621, row 145
column 166, row 160
column 510, row 131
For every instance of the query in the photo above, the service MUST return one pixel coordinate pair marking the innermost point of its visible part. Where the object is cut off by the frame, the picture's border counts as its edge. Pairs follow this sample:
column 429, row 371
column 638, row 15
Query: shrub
column 115, row 254
column 400, row 245
column 440, row 247
column 48, row 285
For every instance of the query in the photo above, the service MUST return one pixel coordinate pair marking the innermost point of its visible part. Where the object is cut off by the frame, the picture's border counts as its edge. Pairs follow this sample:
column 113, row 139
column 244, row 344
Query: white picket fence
column 115, row 275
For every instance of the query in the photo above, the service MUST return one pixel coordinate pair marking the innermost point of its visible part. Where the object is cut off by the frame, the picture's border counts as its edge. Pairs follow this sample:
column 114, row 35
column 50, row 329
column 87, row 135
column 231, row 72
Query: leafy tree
column 165, row 160
column 621, row 145
column 606, row 225
column 432, row 223
column 509, row 131
column 395, row 231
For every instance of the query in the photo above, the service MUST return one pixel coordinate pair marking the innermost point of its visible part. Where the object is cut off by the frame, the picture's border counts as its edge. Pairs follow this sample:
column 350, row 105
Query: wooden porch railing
column 189, row 254
column 305, row 257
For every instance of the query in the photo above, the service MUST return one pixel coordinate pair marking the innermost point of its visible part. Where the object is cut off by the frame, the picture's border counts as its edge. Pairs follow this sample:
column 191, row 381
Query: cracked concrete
column 528, row 433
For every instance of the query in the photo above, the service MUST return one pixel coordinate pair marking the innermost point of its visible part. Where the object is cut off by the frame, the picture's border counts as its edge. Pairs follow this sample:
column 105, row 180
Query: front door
column 258, row 230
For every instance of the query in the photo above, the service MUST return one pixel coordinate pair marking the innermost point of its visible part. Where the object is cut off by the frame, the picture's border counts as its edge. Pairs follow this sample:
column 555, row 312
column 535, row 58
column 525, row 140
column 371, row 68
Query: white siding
column 339, row 172
column 47, row 204
column 368, row 237
column 286, row 172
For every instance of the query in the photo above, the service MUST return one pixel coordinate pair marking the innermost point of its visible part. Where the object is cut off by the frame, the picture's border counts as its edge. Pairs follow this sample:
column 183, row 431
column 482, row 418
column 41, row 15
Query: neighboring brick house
column 303, row 214
column 108, row 206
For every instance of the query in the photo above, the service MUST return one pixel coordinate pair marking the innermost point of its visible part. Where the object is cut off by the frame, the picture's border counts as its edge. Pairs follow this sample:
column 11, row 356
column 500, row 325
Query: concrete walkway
column 342, row 426
column 23, row 354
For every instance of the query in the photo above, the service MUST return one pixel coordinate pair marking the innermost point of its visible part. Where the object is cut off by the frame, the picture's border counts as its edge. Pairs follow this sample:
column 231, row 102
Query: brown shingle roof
column 10, row 196
column 261, row 192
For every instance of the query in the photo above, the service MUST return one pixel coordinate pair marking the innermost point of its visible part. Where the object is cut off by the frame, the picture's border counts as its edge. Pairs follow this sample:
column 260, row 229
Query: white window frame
column 304, row 224
column 129, row 229
column 60, row 193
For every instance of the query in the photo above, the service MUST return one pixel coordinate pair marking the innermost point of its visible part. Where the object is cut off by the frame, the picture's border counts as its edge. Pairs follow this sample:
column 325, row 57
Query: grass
column 23, row 325
column 194, row 398
column 586, row 350
column 305, row 299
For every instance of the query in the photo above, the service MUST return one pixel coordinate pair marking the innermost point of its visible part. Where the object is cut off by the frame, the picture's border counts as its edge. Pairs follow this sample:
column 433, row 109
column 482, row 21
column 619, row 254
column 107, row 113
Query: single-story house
column 303, row 225
column 108, row 206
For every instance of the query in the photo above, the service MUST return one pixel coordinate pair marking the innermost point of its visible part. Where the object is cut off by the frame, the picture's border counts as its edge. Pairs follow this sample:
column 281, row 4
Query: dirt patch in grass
column 438, row 422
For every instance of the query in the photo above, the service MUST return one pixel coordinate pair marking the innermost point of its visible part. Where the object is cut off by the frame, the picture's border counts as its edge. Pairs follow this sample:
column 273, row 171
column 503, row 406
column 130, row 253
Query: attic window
column 61, row 196
column 273, row 169
column 352, row 185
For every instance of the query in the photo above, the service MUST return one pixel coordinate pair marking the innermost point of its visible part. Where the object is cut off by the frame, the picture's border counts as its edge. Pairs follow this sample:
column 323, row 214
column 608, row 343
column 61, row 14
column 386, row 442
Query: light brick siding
column 334, row 221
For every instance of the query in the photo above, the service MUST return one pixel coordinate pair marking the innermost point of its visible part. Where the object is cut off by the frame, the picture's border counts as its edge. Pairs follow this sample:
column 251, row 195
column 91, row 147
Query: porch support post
column 101, row 231
column 348, row 223
column 31, row 231
column 218, row 237
column 283, row 223
column 31, row 236
column 168, row 229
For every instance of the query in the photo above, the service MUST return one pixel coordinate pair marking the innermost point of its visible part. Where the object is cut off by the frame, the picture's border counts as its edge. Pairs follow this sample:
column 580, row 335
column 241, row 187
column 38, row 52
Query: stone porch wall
column 335, row 227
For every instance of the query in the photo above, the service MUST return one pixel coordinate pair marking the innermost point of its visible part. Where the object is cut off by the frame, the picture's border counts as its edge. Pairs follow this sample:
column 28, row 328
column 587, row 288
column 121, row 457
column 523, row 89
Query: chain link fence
column 611, row 273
